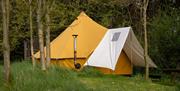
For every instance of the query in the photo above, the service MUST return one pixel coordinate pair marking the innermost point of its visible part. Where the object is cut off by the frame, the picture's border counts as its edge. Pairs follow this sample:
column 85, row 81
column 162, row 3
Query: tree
column 145, row 5
column 47, row 37
column 6, row 46
column 31, row 33
column 40, row 34
column 48, row 7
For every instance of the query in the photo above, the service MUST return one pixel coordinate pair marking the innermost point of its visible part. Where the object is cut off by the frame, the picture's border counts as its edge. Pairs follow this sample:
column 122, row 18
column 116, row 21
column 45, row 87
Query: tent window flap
column 116, row 36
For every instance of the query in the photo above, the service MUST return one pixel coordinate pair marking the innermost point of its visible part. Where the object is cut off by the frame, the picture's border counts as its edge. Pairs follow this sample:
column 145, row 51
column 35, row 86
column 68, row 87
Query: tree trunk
column 25, row 50
column 40, row 34
column 47, row 38
column 6, row 46
column 145, row 5
column 31, row 33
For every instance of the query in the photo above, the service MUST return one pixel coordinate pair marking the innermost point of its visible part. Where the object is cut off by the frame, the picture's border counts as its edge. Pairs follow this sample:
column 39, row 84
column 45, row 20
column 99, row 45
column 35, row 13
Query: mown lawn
column 124, row 84
column 25, row 78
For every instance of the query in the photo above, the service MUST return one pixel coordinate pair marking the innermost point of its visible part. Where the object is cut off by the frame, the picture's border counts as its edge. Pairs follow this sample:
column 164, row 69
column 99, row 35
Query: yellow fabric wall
column 89, row 34
column 68, row 63
column 123, row 66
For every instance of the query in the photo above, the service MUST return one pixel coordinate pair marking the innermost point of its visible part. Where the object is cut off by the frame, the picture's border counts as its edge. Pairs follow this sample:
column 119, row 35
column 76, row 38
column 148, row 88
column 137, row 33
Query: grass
column 124, row 84
column 25, row 78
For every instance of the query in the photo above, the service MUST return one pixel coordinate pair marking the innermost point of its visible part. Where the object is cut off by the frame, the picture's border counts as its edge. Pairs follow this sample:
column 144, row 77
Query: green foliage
column 18, row 28
column 18, row 23
column 164, row 38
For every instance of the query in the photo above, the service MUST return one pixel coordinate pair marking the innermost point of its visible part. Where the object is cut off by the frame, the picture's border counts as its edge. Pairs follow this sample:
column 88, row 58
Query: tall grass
column 90, row 72
column 25, row 78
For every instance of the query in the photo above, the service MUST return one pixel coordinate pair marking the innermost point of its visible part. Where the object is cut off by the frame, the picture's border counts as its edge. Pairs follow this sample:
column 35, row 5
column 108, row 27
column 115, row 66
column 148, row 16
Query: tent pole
column 75, row 47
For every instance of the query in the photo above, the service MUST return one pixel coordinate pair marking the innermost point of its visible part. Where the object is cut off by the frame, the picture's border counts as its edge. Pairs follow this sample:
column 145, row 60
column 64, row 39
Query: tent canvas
column 115, row 43
column 89, row 34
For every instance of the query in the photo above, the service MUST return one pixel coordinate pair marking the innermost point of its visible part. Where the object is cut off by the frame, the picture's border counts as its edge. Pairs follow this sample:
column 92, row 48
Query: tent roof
column 89, row 33
column 135, row 51
column 115, row 40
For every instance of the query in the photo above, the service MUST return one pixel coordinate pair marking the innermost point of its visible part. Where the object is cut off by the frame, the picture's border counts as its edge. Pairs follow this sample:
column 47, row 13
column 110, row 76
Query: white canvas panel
column 107, row 52
column 135, row 52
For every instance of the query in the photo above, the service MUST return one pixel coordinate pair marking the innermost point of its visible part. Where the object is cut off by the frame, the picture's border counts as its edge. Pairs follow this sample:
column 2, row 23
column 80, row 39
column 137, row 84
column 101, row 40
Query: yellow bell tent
column 90, row 35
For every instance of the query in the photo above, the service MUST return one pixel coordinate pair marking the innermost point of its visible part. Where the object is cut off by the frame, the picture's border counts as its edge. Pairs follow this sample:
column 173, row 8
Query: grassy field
column 25, row 78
